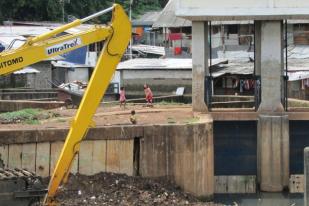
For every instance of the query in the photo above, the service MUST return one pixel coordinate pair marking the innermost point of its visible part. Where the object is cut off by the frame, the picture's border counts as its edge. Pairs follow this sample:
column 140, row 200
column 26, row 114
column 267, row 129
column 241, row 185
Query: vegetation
column 27, row 116
column 51, row 10
column 192, row 120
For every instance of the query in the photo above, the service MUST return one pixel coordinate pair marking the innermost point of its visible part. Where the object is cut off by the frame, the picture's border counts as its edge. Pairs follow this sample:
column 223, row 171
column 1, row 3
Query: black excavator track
column 20, row 187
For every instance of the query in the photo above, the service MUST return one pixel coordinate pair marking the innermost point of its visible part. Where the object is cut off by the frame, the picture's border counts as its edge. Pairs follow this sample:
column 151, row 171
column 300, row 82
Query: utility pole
column 130, row 16
column 62, row 2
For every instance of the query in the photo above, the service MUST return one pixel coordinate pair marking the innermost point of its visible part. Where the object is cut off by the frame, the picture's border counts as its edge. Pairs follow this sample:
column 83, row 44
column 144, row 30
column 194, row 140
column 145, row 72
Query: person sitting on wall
column 133, row 117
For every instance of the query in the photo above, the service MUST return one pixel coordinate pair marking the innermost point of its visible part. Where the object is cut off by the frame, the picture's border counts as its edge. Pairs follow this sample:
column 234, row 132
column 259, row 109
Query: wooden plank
column 235, row 184
column 126, row 157
column 297, row 184
column 99, row 156
column 43, row 159
column 55, row 150
column 28, row 157
column 15, row 156
column 112, row 156
column 4, row 152
column 220, row 184
column 85, row 158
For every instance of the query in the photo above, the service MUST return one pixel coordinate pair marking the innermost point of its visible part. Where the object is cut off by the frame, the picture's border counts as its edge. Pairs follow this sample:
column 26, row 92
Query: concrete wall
column 238, row 9
column 162, row 82
column 45, row 75
column 273, row 153
column 10, row 106
column 95, row 156
column 79, row 74
column 27, row 94
column 183, row 153
column 148, row 74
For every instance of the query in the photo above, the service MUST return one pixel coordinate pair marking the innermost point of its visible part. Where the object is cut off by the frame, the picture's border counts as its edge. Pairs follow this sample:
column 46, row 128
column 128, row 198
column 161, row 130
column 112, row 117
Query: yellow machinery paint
column 116, row 35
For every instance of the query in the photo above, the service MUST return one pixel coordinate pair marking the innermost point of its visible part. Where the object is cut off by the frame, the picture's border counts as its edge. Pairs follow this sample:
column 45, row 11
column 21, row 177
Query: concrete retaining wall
column 10, row 106
column 183, row 153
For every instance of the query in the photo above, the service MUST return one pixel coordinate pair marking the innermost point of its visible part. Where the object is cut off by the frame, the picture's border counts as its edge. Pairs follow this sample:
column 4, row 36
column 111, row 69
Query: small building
column 65, row 72
column 163, row 75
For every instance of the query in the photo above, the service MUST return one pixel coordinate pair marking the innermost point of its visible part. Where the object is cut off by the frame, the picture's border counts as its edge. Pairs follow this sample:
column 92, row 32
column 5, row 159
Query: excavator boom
column 117, row 35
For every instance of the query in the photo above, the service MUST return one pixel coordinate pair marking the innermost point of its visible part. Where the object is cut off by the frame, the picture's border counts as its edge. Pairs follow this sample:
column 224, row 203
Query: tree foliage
column 51, row 10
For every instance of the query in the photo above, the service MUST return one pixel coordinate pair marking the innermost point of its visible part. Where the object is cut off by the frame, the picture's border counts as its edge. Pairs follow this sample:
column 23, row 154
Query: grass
column 171, row 120
column 298, row 103
column 61, row 120
column 192, row 120
column 26, row 116
column 169, row 103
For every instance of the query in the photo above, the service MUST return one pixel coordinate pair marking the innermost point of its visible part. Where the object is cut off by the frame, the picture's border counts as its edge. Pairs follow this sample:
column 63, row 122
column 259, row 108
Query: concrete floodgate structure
column 273, row 141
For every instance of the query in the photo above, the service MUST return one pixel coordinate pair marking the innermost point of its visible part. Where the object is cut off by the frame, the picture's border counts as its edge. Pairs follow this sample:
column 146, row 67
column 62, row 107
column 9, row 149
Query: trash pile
column 75, row 86
column 114, row 189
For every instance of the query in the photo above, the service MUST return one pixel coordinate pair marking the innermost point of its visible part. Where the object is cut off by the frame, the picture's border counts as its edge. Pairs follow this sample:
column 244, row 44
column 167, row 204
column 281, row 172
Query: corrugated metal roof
column 295, row 76
column 167, row 17
column 6, row 40
column 146, row 19
column 27, row 70
column 23, row 30
column 160, row 64
column 149, row 49
column 65, row 64
column 233, row 68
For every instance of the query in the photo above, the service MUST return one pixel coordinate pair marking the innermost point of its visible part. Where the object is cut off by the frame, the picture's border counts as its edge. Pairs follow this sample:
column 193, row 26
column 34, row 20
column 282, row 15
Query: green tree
column 51, row 10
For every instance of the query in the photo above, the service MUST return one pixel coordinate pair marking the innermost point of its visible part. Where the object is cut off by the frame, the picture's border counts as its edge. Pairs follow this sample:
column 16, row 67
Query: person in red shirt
column 122, row 97
column 149, row 95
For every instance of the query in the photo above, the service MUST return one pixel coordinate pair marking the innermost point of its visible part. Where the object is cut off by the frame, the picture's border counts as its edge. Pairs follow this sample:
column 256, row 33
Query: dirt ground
column 114, row 115
column 114, row 189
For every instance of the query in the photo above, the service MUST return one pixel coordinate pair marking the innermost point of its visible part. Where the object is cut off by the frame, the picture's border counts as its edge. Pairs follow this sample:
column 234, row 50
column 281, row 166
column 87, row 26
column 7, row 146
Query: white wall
column 209, row 4
column 80, row 74
column 227, row 10
column 156, row 74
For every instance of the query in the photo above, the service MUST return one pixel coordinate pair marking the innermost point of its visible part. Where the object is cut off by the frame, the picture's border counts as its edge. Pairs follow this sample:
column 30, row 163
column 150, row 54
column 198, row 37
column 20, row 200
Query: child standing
column 122, row 97
column 149, row 95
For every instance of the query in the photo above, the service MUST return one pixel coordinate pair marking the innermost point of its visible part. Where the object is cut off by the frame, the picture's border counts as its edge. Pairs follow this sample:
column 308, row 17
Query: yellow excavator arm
column 116, row 35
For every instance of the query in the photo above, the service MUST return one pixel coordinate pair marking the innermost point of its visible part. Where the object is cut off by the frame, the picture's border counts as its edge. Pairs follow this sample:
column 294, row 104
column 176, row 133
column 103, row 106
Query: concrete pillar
column 273, row 152
column 306, row 176
column 271, row 66
column 257, row 43
column 200, row 53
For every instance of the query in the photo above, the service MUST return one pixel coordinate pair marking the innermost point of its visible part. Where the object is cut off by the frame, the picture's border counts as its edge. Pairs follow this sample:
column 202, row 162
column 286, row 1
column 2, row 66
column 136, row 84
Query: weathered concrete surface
column 181, row 152
column 257, row 44
column 225, row 10
column 27, row 94
column 200, row 69
column 184, row 153
column 235, row 184
column 273, row 153
column 13, row 105
column 306, row 176
column 52, row 135
column 297, row 184
column 95, row 156
column 271, row 66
